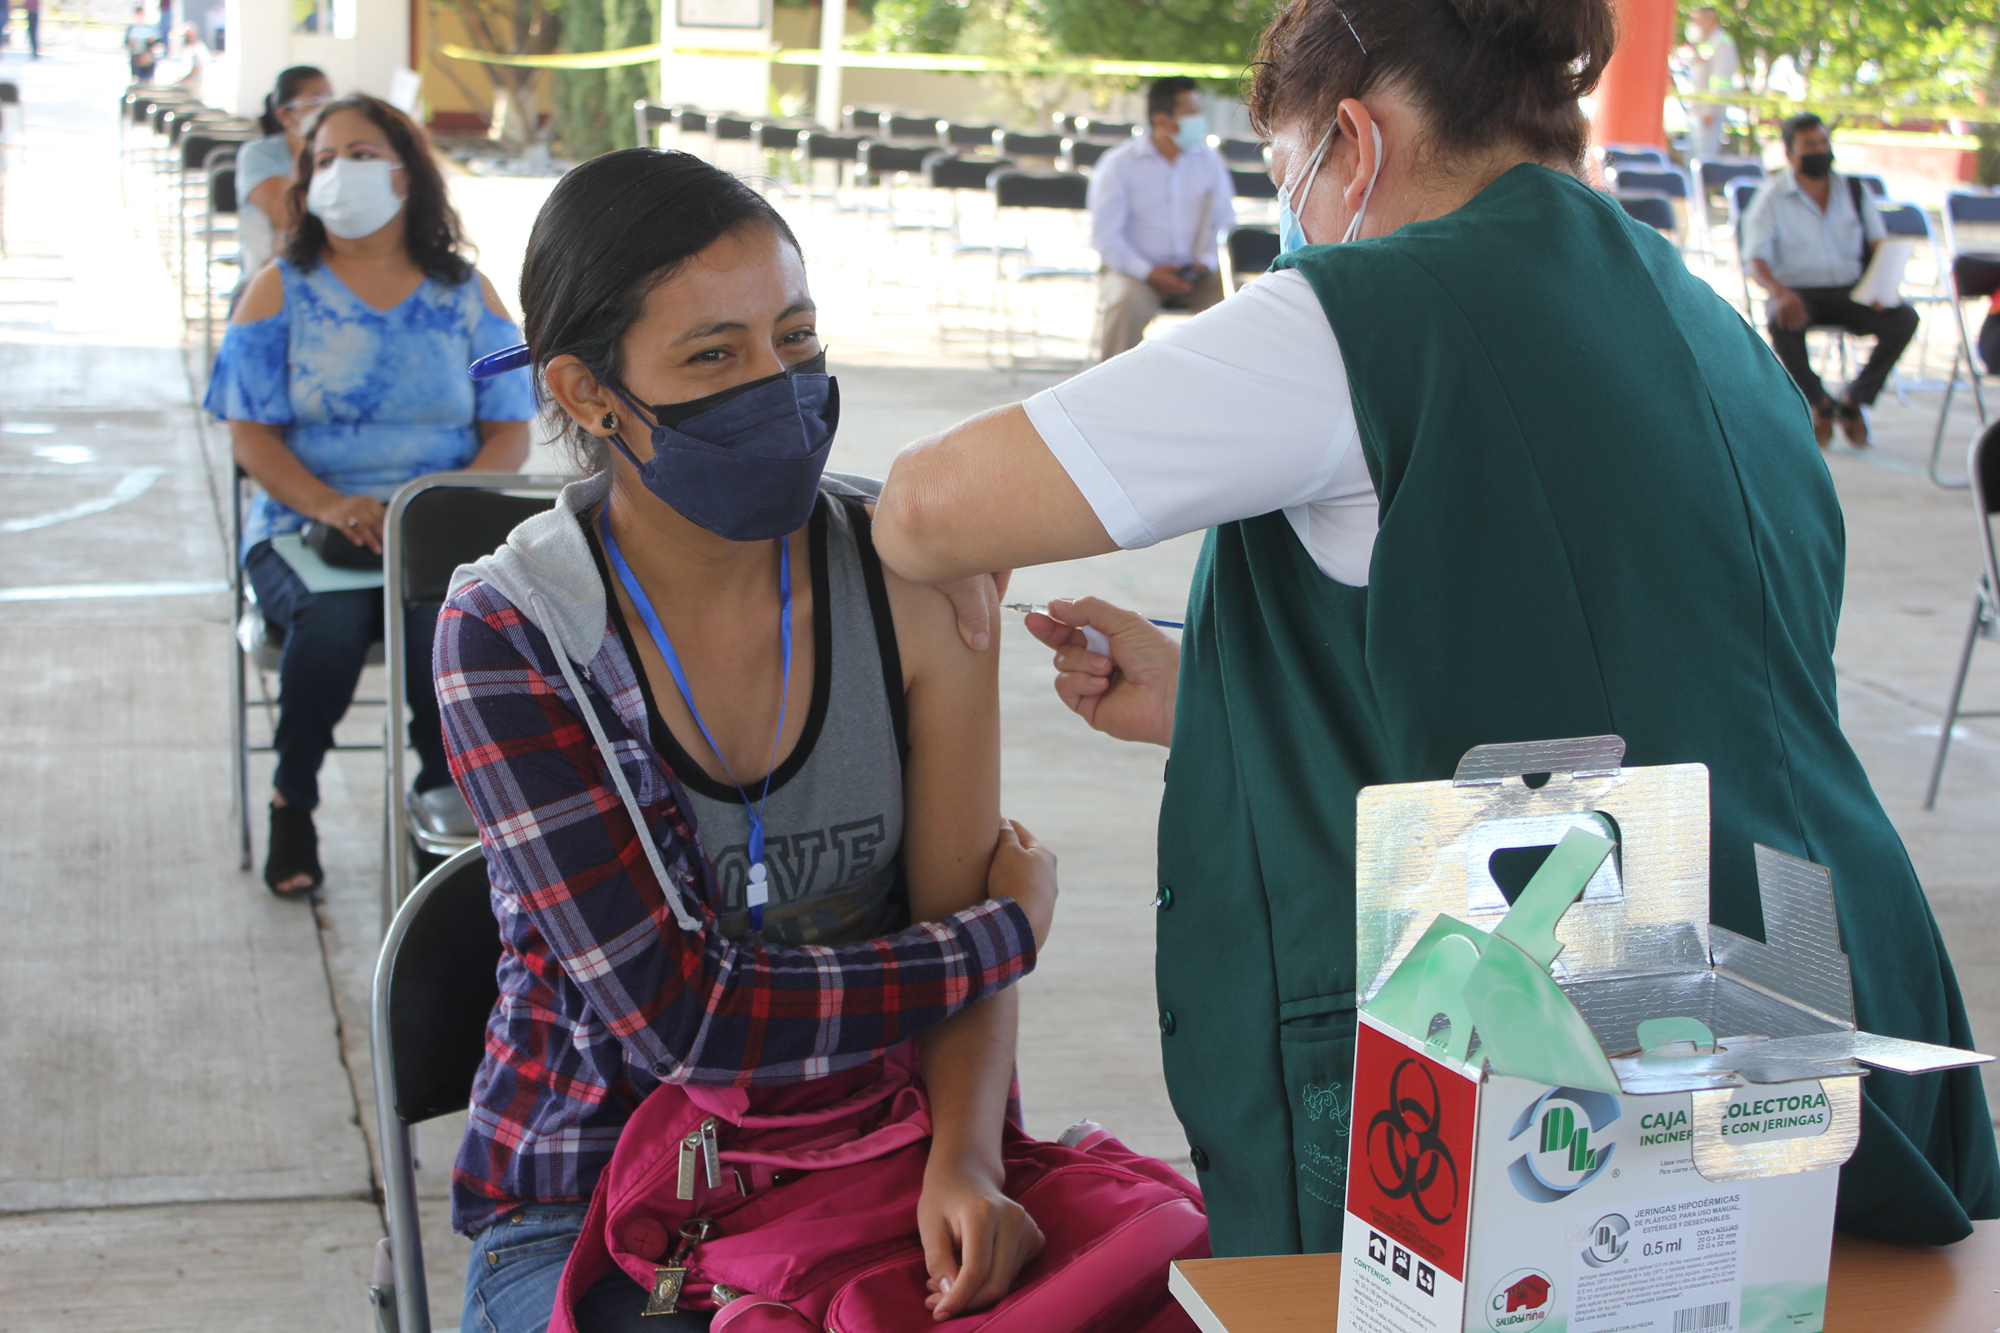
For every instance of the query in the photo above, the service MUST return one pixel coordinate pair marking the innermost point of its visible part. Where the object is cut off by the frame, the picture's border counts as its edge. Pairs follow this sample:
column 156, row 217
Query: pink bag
column 809, row 1196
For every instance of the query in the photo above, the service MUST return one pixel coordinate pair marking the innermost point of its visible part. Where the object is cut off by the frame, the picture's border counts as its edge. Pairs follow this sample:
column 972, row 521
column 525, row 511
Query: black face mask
column 1815, row 166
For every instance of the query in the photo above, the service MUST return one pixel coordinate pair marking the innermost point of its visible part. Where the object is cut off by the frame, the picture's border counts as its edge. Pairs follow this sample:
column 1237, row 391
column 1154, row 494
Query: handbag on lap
column 794, row 1209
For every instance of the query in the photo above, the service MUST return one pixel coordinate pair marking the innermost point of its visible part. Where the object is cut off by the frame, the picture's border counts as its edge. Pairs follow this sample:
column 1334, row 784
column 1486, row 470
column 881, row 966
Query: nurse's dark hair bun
column 613, row 229
column 1485, row 72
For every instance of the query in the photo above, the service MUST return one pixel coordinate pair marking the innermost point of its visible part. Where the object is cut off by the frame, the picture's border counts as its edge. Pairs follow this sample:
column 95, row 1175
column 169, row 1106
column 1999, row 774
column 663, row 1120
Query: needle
column 1093, row 639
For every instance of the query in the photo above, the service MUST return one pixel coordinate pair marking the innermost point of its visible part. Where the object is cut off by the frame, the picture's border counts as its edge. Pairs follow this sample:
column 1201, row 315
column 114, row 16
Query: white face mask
column 1291, row 232
column 353, row 197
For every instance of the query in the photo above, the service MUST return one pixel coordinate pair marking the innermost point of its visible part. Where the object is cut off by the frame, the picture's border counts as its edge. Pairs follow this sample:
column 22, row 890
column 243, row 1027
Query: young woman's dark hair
column 1484, row 72
column 612, row 230
column 287, row 87
column 431, row 231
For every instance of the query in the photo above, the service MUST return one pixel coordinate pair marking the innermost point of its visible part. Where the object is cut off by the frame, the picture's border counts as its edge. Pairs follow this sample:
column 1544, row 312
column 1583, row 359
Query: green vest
column 1602, row 511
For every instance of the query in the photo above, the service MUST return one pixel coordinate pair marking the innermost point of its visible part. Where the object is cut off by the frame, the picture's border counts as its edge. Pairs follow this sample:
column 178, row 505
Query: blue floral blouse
column 368, row 398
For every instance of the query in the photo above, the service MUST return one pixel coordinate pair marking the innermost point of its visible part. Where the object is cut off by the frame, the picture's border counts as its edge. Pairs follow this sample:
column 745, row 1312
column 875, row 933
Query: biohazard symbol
column 1406, row 1155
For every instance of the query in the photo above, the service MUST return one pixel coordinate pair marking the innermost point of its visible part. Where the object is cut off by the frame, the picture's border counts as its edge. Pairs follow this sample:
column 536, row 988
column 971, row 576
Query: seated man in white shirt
column 1159, row 205
column 1807, row 237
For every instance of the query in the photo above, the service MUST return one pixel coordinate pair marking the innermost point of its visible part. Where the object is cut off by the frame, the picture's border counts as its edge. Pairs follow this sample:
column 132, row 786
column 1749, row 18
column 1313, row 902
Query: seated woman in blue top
column 342, row 377
column 265, row 169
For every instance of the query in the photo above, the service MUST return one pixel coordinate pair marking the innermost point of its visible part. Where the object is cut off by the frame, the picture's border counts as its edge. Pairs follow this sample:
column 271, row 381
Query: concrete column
column 717, row 83
column 832, row 33
column 257, row 43
column 1631, row 98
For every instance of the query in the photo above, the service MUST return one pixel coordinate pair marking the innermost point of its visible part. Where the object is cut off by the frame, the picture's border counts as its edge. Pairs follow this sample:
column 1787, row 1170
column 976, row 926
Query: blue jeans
column 327, row 636
column 510, row 1283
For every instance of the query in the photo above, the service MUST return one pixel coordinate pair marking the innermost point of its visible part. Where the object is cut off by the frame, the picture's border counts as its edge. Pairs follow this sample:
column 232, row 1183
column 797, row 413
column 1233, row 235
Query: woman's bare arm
column 274, row 196
column 975, row 1239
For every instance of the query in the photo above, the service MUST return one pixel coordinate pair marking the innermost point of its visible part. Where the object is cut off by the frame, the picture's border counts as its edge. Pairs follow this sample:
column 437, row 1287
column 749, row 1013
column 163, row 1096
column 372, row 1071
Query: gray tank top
column 833, row 822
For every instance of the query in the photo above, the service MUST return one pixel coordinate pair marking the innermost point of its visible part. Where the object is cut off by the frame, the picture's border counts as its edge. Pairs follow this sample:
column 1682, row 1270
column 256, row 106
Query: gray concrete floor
column 186, row 1064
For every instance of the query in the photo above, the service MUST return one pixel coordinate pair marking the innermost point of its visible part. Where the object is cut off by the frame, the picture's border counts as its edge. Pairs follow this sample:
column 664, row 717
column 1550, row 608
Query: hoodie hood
column 546, row 570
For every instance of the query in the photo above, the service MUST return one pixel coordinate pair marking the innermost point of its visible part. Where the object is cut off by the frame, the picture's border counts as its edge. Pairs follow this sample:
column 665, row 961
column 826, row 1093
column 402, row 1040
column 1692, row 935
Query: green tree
column 594, row 106
column 1892, row 50
column 1222, row 32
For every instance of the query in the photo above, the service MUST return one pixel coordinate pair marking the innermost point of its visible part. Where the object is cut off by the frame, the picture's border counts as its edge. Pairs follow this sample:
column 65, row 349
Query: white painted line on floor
column 131, row 488
column 54, row 592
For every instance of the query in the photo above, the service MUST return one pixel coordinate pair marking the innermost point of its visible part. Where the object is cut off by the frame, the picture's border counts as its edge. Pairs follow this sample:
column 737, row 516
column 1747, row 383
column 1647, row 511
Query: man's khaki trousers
column 1126, row 305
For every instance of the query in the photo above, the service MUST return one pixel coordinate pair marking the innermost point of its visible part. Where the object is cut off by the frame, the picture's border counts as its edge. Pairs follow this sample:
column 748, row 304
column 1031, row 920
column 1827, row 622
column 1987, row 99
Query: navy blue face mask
column 744, row 463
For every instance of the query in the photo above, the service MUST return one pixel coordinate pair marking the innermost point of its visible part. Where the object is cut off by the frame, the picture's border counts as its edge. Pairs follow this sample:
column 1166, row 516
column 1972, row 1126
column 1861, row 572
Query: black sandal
column 294, row 851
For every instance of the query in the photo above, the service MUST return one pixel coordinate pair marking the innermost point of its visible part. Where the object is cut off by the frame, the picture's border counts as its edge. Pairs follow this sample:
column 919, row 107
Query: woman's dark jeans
column 327, row 636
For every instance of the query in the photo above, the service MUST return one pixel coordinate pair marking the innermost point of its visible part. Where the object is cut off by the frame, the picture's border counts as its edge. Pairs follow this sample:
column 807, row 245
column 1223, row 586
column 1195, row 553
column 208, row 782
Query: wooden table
column 1873, row 1288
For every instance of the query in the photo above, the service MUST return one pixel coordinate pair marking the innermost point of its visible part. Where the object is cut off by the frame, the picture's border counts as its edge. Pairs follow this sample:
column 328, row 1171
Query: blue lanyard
column 759, row 888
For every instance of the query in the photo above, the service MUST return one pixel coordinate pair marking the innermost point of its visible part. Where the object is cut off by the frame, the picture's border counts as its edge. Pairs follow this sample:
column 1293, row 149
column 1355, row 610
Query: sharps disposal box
column 1579, row 1106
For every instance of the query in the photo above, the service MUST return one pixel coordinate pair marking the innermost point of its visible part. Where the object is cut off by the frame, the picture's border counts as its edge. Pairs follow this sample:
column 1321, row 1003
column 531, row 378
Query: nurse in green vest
column 1480, row 462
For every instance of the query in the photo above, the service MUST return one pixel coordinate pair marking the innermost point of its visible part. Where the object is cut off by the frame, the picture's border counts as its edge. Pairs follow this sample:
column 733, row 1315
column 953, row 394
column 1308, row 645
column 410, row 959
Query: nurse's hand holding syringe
column 1123, row 683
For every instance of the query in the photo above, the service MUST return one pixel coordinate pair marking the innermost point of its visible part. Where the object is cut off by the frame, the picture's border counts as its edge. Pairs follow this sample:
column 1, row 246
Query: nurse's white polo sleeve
column 1240, row 411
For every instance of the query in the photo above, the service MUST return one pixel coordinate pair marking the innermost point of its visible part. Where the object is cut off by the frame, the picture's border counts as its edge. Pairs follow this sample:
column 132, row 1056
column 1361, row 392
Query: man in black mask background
column 1807, row 237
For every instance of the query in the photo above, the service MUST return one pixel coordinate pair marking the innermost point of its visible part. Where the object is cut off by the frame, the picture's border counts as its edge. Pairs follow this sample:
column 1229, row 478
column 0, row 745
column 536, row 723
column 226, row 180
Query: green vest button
column 1167, row 1022
column 1199, row 1158
column 1164, row 899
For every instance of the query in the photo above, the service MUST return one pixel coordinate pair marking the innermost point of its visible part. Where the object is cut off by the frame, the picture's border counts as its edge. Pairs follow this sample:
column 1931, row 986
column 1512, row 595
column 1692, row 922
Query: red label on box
column 1409, row 1171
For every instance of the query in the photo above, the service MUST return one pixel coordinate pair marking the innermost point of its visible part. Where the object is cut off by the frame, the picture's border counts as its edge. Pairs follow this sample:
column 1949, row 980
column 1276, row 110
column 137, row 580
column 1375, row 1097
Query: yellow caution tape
column 640, row 55
column 1834, row 106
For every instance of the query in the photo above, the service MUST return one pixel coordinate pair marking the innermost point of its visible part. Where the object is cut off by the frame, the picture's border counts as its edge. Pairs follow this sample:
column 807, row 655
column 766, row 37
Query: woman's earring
column 610, row 421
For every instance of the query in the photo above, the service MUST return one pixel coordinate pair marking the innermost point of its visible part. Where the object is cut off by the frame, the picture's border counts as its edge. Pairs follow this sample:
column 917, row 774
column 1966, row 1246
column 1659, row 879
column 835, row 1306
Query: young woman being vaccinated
column 807, row 757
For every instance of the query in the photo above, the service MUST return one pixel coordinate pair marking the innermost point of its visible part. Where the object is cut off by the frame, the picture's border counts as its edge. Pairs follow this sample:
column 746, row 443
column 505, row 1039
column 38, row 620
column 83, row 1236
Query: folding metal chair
column 1716, row 177
column 1870, row 182
column 979, row 138
column 863, row 120
column 1049, row 148
column 221, row 193
column 434, row 991
column 1974, row 274
column 1024, row 193
column 1251, row 251
column 839, row 149
column 1982, row 467
column 1635, row 155
column 1083, row 154
column 1115, row 130
column 260, row 646
column 1260, row 189
column 1253, row 153
column 435, row 524
column 1655, row 210
column 1909, row 221
column 952, row 179
column 648, row 118
column 915, row 129
column 1738, row 193
column 1669, row 182
column 740, row 134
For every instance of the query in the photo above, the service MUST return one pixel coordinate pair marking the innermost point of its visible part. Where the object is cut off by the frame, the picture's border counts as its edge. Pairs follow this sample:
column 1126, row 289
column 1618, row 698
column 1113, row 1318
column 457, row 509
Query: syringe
column 1093, row 638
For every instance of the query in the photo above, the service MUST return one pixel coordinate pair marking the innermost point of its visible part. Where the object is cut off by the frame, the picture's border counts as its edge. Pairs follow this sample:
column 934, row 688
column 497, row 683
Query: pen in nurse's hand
column 1093, row 638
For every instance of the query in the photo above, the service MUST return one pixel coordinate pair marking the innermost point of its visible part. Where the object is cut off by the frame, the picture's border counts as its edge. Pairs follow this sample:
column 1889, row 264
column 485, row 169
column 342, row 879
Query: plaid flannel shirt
column 603, row 996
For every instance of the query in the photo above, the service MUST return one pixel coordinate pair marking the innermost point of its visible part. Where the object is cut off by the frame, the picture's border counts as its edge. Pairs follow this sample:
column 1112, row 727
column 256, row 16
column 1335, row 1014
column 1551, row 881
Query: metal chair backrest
column 694, row 122
column 969, row 136
column 444, row 526
column 198, row 145
column 1718, row 176
column 881, row 159
column 1253, row 184
column 916, row 127
column 777, row 136
column 1040, row 189
column 1870, row 182
column 1086, row 152
column 1900, row 219
column 1648, row 180
column 1971, row 222
column 222, row 189
column 859, row 120
column 1636, row 157
column 1255, row 152
column 1105, row 129
column 731, row 127
column 1065, row 123
column 1009, row 143
column 1252, row 250
column 1654, row 210
column 822, row 147
column 1739, row 193
column 435, row 989
column 10, row 93
column 652, row 114
column 942, row 171
column 433, row 993
column 1982, row 464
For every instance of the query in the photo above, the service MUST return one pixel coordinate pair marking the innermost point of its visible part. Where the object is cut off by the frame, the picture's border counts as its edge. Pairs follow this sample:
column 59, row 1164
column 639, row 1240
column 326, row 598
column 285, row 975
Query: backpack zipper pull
column 711, row 1153
column 690, row 1154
